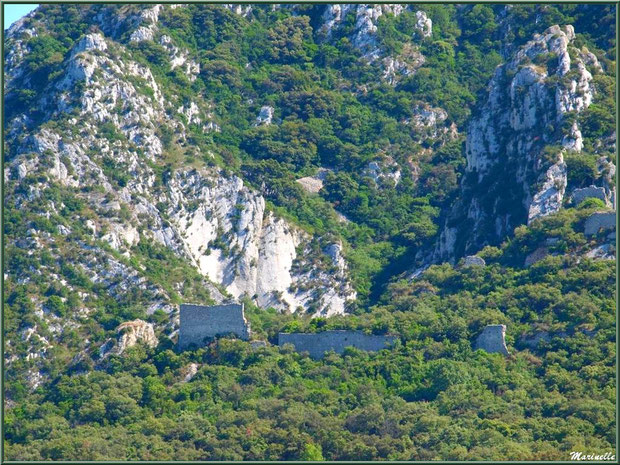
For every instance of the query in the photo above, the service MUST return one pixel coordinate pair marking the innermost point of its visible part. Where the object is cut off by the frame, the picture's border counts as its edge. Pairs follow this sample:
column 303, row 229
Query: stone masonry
column 590, row 192
column 598, row 221
column 198, row 322
column 316, row 344
column 492, row 339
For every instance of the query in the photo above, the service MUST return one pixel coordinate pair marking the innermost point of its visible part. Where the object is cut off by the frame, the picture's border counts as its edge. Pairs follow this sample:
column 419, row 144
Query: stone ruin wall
column 492, row 339
column 316, row 344
column 598, row 221
column 198, row 322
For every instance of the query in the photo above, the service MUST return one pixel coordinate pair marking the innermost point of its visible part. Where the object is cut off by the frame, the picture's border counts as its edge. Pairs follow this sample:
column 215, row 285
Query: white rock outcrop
column 121, row 235
column 94, row 41
column 234, row 241
column 265, row 116
column 384, row 170
column 424, row 25
column 549, row 197
column 180, row 58
column 241, row 10
column 573, row 140
column 191, row 112
column 143, row 33
column 134, row 332
column 364, row 35
column 527, row 99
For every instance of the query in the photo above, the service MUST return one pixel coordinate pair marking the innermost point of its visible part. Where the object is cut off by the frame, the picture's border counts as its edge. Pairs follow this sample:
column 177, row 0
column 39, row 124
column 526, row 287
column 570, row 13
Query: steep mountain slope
column 311, row 161
column 515, row 165
column 192, row 209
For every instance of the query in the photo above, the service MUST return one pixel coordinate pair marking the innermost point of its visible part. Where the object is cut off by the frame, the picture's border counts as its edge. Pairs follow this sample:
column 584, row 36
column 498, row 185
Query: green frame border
column 268, row 2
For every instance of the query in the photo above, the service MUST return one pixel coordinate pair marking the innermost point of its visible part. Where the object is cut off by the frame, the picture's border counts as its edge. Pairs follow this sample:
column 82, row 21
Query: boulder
column 132, row 332
column 310, row 184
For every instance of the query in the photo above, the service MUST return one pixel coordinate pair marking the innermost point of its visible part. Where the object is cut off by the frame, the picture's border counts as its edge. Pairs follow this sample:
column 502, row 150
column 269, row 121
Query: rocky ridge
column 108, row 86
column 528, row 101
column 98, row 135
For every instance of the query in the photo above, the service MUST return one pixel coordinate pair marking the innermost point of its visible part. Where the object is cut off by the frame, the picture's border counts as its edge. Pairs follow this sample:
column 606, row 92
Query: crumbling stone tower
column 198, row 322
column 493, row 339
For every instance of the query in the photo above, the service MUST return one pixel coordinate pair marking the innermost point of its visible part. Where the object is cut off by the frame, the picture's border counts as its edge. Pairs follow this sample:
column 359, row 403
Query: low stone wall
column 473, row 260
column 198, row 322
column 316, row 344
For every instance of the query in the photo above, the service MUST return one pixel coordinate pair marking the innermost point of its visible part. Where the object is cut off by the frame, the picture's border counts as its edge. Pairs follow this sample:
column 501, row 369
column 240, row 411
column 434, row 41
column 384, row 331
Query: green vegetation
column 408, row 403
column 431, row 396
column 405, row 403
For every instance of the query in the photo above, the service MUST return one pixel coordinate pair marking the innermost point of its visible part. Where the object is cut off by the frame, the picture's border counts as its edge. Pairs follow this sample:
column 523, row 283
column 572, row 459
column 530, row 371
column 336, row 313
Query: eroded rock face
column 261, row 258
column 241, row 10
column 364, row 36
column 527, row 100
column 180, row 58
column 549, row 198
column 93, row 41
column 424, row 24
column 395, row 68
column 142, row 33
column 573, row 140
column 134, row 332
column 492, row 339
column 108, row 110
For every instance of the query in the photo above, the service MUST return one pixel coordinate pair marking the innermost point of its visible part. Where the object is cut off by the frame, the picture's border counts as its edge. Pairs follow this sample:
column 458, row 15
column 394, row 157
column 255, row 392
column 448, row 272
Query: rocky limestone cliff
column 528, row 98
column 197, row 208
column 94, row 134
column 234, row 241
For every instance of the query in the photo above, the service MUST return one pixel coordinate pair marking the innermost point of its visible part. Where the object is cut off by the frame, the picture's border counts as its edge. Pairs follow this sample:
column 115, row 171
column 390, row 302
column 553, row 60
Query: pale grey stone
column 492, row 339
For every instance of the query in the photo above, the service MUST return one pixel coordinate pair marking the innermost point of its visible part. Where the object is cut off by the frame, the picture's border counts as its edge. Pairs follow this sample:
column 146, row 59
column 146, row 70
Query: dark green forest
column 430, row 397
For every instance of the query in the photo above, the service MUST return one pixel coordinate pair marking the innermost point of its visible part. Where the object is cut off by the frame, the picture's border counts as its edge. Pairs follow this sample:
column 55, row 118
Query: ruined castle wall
column 316, row 344
column 493, row 339
column 590, row 192
column 198, row 322
column 598, row 221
